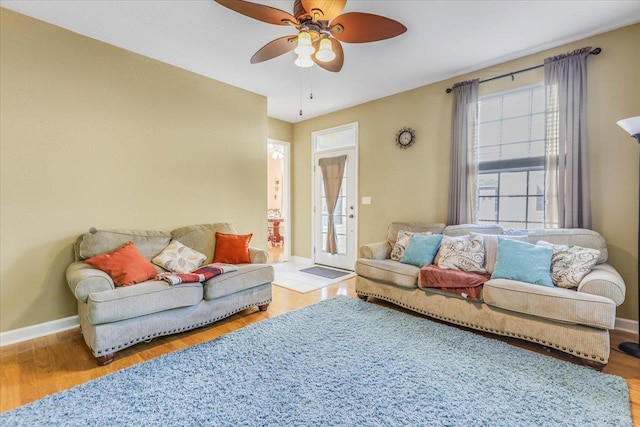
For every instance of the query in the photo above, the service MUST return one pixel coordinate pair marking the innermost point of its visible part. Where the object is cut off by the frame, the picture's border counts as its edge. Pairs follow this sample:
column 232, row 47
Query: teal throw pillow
column 523, row 262
column 421, row 250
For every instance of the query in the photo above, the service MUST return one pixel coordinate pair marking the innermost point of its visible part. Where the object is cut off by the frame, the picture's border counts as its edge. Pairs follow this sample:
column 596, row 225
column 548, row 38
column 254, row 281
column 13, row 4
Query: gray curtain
column 568, row 200
column 332, row 169
column 464, row 163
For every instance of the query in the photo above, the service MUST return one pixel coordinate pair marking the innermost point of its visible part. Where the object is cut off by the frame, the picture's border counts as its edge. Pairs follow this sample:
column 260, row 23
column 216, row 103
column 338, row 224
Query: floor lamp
column 632, row 126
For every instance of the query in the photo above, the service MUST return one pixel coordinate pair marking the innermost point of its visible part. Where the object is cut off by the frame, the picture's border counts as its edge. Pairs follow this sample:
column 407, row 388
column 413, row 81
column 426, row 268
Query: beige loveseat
column 574, row 321
column 113, row 318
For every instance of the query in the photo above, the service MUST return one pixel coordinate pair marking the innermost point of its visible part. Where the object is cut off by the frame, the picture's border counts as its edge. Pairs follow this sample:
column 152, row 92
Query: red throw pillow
column 232, row 248
column 125, row 265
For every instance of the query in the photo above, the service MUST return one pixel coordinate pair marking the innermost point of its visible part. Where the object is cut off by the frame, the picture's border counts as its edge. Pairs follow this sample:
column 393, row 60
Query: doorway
column 335, row 211
column 278, row 201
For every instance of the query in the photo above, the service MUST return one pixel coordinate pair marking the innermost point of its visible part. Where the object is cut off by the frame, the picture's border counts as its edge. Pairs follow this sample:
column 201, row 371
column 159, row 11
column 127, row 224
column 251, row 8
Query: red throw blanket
column 467, row 285
column 200, row 275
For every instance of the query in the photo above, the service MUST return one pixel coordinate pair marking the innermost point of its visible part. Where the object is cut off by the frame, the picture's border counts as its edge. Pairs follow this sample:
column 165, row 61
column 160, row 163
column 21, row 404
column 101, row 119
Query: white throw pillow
column 179, row 258
column 464, row 253
column 402, row 241
column 570, row 264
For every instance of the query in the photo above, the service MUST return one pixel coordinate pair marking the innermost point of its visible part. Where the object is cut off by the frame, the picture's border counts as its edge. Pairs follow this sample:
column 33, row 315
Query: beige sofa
column 574, row 321
column 113, row 318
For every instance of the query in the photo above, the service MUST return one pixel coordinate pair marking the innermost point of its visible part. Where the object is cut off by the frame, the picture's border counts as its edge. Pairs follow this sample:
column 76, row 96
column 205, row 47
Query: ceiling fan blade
column 337, row 63
column 329, row 8
column 358, row 27
column 274, row 48
column 260, row 12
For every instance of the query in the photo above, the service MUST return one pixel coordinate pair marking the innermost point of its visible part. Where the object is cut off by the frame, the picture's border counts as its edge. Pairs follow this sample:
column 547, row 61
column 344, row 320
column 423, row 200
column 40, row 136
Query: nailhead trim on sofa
column 480, row 328
column 150, row 337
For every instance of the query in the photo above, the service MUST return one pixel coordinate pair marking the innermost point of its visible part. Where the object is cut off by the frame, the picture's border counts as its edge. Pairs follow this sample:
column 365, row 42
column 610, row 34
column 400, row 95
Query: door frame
column 314, row 135
column 286, row 195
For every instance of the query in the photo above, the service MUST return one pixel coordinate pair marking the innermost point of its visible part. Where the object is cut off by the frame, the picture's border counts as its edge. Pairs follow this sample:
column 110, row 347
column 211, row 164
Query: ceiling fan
column 321, row 28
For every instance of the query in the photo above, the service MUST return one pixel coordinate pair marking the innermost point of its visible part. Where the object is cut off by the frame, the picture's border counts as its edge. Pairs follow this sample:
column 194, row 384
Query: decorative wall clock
column 405, row 138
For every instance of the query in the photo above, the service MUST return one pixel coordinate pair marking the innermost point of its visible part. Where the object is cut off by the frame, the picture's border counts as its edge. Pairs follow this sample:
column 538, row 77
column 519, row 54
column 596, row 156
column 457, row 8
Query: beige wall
column 280, row 130
column 93, row 135
column 412, row 184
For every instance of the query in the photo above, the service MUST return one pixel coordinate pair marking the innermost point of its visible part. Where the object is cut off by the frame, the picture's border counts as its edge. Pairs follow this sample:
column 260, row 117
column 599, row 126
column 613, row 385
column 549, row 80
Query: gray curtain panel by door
column 332, row 169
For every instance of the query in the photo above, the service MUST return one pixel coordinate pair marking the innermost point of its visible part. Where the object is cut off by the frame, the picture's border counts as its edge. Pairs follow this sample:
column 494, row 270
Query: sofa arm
column 258, row 256
column 84, row 280
column 605, row 281
column 379, row 250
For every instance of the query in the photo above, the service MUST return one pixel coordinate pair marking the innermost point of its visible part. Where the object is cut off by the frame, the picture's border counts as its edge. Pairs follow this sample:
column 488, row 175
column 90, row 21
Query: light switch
column 366, row 200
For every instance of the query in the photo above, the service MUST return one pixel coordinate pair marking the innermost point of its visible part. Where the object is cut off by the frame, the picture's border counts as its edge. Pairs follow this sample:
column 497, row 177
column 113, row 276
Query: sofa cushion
column 416, row 227
column 464, row 253
column 569, row 264
column 491, row 248
column 232, row 248
column 523, row 261
column 388, row 271
column 402, row 241
column 144, row 298
column 572, row 236
column 246, row 277
column 125, row 265
column 148, row 242
column 552, row 303
column 202, row 237
column 179, row 258
column 421, row 249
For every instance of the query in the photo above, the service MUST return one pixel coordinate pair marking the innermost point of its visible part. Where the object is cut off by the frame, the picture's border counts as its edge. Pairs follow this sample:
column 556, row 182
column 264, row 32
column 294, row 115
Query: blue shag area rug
column 341, row 362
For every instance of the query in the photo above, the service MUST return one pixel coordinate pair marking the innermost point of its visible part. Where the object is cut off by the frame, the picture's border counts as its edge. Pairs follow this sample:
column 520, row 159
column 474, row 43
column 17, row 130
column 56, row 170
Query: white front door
column 345, row 213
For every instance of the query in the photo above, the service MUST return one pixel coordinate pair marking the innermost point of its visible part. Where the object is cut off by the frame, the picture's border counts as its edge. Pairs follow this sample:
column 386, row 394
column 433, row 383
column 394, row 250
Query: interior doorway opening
column 278, row 201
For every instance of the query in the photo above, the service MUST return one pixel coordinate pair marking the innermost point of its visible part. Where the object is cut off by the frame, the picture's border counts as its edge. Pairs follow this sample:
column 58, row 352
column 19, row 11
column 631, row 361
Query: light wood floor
column 36, row 368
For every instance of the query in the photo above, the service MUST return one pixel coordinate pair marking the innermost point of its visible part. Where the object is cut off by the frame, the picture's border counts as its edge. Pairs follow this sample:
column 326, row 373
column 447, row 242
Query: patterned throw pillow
column 464, row 253
column 179, row 258
column 570, row 264
column 402, row 240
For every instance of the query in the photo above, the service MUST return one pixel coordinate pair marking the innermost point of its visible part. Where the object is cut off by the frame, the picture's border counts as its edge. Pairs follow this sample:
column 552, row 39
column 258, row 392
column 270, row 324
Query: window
column 511, row 144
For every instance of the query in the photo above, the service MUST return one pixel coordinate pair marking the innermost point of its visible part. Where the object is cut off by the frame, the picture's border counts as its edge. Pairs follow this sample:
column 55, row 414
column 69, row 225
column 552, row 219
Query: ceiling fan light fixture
column 325, row 54
column 305, row 47
column 304, row 61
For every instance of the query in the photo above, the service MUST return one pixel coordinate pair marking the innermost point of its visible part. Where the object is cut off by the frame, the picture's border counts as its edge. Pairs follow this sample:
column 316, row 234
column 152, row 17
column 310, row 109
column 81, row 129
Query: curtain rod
column 595, row 51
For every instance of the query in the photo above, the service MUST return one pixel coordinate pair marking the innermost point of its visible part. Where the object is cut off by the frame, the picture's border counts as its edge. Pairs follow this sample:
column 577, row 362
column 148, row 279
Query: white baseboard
column 40, row 330
column 47, row 328
column 301, row 260
column 626, row 325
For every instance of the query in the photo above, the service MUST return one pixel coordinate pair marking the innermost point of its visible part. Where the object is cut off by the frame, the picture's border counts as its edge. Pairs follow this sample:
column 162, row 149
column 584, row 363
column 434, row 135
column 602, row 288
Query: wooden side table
column 275, row 237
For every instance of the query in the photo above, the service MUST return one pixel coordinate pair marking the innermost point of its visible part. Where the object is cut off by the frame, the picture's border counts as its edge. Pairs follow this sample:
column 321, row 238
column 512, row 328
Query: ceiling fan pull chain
column 300, row 91
column 311, row 83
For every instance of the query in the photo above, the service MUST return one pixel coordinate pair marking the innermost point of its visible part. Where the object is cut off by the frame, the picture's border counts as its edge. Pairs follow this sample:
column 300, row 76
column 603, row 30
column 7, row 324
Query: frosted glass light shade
column 304, row 44
column 631, row 125
column 325, row 54
column 304, row 61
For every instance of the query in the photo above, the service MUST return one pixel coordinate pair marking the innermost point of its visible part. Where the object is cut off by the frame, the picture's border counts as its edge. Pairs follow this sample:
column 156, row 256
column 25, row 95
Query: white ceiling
column 444, row 39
